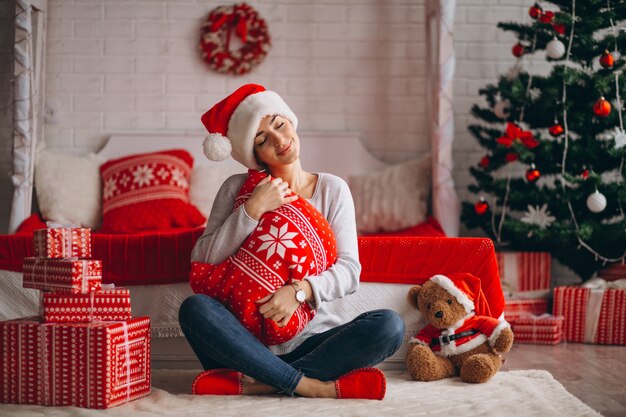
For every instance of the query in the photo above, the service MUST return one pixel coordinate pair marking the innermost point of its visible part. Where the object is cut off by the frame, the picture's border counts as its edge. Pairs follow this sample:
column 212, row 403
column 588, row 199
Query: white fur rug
column 512, row 393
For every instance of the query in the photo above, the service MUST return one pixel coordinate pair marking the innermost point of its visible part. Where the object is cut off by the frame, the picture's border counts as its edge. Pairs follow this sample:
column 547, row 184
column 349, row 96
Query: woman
column 258, row 129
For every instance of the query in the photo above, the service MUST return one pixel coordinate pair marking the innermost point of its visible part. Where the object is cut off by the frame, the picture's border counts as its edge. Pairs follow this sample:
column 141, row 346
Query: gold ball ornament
column 502, row 109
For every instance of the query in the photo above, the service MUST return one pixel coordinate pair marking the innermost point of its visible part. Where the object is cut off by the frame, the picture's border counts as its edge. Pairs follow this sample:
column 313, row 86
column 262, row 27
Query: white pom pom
column 217, row 147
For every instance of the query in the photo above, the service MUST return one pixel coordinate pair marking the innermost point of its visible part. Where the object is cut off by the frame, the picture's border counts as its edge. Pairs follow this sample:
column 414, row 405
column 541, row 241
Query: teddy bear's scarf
column 290, row 243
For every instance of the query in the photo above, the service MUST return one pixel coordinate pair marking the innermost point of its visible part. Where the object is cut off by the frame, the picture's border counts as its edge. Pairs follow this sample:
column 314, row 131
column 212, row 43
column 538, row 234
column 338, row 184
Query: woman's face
column 276, row 141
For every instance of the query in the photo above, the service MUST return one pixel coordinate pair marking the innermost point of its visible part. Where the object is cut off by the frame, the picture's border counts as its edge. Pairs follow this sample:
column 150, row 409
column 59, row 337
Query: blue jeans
column 220, row 341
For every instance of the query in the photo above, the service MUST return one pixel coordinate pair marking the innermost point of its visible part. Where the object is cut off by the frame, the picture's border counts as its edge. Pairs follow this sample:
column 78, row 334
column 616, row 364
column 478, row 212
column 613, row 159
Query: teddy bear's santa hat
column 467, row 291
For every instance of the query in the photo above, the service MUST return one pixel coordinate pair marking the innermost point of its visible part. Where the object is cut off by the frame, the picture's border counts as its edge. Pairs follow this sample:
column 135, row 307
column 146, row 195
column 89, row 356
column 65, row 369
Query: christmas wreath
column 221, row 26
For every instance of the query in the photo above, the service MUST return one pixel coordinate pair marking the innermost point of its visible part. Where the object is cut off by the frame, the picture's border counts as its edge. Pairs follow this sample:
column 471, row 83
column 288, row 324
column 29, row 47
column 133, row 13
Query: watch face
column 301, row 296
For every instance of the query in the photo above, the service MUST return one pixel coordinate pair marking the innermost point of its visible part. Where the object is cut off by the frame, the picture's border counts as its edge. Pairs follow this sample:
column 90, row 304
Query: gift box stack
column 594, row 312
column 84, row 349
column 525, row 279
column 545, row 329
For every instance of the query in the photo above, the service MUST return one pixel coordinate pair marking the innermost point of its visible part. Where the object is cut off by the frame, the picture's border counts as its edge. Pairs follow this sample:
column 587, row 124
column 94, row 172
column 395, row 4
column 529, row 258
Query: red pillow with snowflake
column 147, row 192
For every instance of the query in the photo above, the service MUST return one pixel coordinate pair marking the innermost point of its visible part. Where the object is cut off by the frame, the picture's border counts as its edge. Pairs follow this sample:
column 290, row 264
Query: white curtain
column 28, row 52
column 440, row 74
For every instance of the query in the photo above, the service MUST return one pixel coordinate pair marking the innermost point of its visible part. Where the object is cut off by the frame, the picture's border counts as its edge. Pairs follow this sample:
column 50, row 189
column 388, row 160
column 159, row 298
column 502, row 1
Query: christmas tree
column 553, row 175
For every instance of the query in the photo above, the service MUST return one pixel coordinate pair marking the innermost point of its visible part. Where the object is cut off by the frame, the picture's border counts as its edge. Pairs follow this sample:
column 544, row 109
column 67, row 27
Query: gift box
column 62, row 275
column 592, row 315
column 545, row 329
column 525, row 273
column 104, row 305
column 90, row 365
column 515, row 308
column 63, row 242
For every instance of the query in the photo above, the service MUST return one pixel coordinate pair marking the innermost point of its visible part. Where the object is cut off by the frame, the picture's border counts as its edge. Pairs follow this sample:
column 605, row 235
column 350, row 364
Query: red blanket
column 289, row 244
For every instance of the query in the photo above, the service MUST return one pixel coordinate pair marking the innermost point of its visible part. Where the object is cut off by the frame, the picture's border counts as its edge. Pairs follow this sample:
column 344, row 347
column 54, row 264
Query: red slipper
column 364, row 383
column 218, row 382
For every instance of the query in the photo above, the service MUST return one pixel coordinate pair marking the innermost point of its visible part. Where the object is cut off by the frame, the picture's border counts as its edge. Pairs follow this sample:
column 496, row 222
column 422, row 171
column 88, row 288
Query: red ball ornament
column 556, row 129
column 546, row 17
column 585, row 174
column 607, row 60
column 484, row 162
column 533, row 174
column 535, row 11
column 559, row 28
column 511, row 156
column 602, row 107
column 518, row 49
column 481, row 207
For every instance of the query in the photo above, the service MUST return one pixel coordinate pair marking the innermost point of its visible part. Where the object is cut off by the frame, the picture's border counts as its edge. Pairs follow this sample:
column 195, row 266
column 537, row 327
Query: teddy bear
column 461, row 338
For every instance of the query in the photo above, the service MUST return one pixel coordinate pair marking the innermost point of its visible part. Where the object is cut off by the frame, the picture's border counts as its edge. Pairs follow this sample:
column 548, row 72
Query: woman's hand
column 279, row 306
column 268, row 195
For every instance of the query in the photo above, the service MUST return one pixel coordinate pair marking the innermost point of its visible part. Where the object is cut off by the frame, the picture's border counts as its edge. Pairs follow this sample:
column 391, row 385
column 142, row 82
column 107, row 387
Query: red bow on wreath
column 233, row 19
column 513, row 133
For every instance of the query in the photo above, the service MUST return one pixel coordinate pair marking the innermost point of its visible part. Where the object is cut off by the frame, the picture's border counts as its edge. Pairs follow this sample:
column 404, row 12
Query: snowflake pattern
column 124, row 180
column 143, row 175
column 163, row 173
column 178, row 178
column 297, row 263
column 251, row 244
column 277, row 264
column 620, row 138
column 277, row 241
column 538, row 216
column 302, row 244
column 110, row 188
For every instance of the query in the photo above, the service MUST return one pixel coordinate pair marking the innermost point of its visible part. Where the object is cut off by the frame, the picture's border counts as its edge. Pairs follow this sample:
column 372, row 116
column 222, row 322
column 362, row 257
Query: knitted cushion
column 147, row 192
column 289, row 243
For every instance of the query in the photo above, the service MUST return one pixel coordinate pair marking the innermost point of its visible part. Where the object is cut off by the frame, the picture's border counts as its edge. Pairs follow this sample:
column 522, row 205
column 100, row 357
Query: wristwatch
column 300, row 294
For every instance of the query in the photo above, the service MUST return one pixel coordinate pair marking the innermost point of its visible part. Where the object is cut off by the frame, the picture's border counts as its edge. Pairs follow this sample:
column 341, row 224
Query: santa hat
column 233, row 122
column 466, row 289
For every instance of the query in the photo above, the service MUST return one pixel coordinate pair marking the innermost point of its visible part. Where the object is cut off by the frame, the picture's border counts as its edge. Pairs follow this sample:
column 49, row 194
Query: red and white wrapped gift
column 594, row 313
column 63, row 242
column 525, row 273
column 103, row 305
column 62, row 275
column 544, row 330
column 90, row 365
column 514, row 308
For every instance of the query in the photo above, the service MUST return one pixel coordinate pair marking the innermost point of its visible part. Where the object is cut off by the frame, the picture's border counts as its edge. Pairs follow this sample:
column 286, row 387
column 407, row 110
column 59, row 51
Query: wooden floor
column 595, row 374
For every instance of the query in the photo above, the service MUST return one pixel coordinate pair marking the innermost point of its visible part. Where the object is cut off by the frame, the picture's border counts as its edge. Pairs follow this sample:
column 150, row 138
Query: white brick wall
column 343, row 65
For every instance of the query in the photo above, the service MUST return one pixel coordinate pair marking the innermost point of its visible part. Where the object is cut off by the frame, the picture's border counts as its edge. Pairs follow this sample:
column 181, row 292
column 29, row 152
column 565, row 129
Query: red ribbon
column 236, row 19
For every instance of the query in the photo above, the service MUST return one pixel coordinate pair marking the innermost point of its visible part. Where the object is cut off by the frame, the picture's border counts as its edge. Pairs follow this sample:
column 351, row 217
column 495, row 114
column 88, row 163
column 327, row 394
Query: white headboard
column 341, row 154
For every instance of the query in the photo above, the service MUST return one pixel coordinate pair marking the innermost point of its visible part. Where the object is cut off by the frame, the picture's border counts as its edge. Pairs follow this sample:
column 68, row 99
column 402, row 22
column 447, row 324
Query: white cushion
column 68, row 188
column 394, row 198
column 206, row 181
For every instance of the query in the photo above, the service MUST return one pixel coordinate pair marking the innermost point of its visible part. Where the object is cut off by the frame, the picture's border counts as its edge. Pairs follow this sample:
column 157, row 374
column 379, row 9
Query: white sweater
column 226, row 230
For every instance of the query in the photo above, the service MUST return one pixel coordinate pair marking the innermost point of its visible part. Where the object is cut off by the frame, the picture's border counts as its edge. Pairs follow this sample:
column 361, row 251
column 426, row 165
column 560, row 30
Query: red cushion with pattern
column 289, row 244
column 148, row 192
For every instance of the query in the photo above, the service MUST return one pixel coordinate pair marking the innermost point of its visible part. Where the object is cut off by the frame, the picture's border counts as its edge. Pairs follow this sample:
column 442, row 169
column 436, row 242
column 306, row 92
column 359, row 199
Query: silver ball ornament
column 555, row 49
column 502, row 109
column 596, row 202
